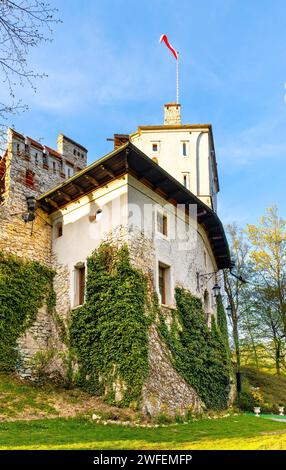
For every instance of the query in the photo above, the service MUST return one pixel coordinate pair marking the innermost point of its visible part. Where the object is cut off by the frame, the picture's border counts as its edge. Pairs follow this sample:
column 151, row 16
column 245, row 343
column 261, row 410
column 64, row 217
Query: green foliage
column 222, row 320
column 199, row 355
column 109, row 334
column 272, row 388
column 24, row 287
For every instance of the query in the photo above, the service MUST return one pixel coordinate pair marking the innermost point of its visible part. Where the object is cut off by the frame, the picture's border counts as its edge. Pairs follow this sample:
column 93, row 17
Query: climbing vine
column 24, row 288
column 222, row 320
column 109, row 334
column 199, row 354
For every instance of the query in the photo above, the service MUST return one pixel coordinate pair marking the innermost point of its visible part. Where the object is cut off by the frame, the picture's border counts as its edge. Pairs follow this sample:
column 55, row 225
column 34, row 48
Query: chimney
column 172, row 114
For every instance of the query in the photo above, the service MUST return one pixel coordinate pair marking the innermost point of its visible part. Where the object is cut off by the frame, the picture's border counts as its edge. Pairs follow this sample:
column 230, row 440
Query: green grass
column 235, row 432
column 273, row 387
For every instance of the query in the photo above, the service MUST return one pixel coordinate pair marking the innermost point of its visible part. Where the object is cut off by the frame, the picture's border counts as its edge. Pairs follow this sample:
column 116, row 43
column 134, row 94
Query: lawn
column 234, row 432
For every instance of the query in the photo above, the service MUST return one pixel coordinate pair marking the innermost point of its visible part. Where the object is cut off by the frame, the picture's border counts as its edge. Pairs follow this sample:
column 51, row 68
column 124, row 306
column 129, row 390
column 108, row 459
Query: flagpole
column 178, row 78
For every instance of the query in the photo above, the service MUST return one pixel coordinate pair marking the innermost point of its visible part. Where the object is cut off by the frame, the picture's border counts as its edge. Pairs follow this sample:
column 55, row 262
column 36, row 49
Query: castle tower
column 28, row 169
column 186, row 151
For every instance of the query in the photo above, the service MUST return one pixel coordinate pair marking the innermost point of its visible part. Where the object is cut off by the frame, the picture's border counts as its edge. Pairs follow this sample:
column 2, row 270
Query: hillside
column 273, row 387
column 21, row 400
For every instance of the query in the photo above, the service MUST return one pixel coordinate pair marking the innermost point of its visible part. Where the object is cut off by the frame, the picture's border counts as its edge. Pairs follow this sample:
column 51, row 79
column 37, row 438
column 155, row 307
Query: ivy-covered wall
column 24, row 288
column 198, row 353
column 109, row 334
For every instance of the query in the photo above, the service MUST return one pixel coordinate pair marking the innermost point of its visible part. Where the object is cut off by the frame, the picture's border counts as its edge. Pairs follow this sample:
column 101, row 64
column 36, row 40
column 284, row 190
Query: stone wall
column 165, row 391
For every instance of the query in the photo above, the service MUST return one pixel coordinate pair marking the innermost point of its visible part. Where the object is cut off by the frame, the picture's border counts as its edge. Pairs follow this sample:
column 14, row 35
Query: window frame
column 165, row 223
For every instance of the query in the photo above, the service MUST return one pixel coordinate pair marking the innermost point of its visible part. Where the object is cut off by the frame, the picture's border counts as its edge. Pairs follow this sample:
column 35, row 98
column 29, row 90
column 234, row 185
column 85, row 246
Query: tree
column 233, row 286
column 268, row 256
column 24, row 24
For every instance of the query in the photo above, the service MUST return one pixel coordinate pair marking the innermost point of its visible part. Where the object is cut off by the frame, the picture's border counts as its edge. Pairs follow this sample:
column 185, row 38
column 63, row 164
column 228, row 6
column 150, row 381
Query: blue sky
column 108, row 73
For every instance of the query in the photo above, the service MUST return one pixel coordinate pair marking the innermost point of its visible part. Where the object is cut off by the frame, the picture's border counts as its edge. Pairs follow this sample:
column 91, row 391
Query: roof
column 129, row 159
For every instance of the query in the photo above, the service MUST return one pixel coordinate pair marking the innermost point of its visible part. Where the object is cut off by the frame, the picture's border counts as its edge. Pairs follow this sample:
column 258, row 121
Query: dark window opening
column 184, row 149
column 162, row 284
column 81, row 285
column 155, row 147
column 29, row 178
column 59, row 230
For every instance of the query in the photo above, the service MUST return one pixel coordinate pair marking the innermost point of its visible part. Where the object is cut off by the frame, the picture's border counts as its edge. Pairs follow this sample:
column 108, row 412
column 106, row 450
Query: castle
column 156, row 192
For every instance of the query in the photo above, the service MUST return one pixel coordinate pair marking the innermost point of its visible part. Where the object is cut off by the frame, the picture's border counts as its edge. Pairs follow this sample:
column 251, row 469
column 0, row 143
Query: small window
column 184, row 149
column 36, row 157
column 18, row 148
column 162, row 284
column 69, row 171
column 74, row 151
column 59, row 230
column 45, row 160
column 80, row 285
column 186, row 180
column 54, row 167
column 162, row 223
column 29, row 178
column 155, row 147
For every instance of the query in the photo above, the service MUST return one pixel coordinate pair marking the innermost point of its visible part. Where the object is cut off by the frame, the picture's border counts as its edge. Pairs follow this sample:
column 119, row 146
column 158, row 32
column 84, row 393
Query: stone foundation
column 165, row 391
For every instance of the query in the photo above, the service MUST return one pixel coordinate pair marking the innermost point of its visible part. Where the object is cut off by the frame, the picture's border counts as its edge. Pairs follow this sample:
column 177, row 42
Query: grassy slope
column 236, row 432
column 22, row 400
column 272, row 386
column 21, row 406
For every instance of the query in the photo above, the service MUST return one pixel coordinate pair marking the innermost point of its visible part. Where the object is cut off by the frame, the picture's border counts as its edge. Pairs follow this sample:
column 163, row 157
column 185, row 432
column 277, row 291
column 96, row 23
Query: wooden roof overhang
column 129, row 159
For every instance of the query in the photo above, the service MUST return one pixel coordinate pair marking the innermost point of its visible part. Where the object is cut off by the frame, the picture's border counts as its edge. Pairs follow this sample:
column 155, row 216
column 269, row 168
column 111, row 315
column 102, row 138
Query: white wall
column 81, row 236
column 170, row 156
column 185, row 253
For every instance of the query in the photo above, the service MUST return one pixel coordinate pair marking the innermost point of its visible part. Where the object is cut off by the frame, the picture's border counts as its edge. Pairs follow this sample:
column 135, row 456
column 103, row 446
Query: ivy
column 109, row 334
column 222, row 320
column 199, row 354
column 24, row 288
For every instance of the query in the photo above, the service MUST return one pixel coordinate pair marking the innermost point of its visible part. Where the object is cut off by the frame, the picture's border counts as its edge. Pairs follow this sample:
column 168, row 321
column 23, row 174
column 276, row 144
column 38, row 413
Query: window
column 184, row 149
column 29, row 178
column 80, row 284
column 36, row 157
column 45, row 159
column 74, row 151
column 70, row 171
column 59, row 230
column 186, row 180
column 164, row 284
column 54, row 167
column 18, row 149
column 154, row 147
column 162, row 223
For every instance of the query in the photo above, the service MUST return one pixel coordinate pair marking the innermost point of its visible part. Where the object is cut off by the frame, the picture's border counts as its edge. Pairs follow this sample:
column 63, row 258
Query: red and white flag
column 164, row 39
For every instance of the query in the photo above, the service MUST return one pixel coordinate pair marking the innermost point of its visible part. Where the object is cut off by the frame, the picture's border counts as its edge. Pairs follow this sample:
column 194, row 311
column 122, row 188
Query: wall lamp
column 30, row 215
column 216, row 290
